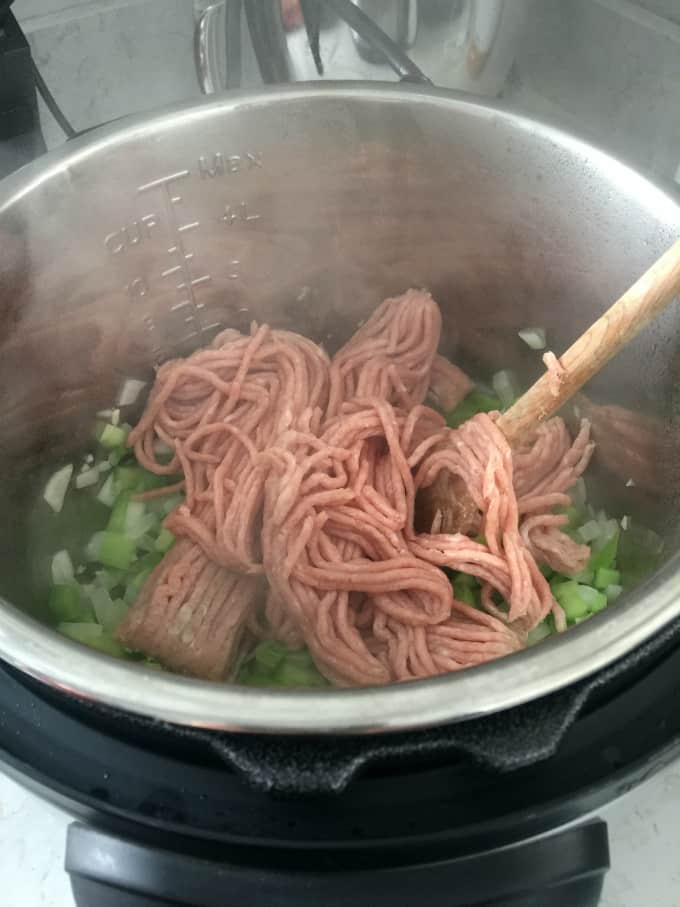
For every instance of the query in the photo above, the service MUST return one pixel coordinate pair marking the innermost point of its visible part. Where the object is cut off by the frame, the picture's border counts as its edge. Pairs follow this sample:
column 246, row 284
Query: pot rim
column 496, row 686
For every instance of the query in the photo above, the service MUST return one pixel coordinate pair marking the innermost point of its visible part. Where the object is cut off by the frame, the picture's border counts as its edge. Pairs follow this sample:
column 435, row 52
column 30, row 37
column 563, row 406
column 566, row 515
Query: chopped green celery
column 133, row 588
column 147, row 561
column 269, row 655
column 547, row 571
column 128, row 477
column 139, row 521
column 466, row 579
column 168, row 504
column 165, row 540
column 575, row 515
column 465, row 592
column 92, row 635
column 118, row 513
column 66, row 603
column 112, row 436
column 539, row 632
column 583, row 576
column 605, row 576
column 135, row 478
column 475, row 402
column 293, row 675
column 577, row 599
column 252, row 675
column 149, row 481
column 598, row 602
column 606, row 555
column 300, row 657
column 111, row 613
column 112, row 549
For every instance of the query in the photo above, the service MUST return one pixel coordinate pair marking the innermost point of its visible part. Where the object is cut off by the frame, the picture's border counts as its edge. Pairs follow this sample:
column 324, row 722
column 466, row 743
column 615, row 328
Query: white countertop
column 644, row 829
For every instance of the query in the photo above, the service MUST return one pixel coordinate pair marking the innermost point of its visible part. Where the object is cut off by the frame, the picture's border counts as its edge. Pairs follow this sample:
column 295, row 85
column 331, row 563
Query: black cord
column 311, row 14
column 268, row 40
column 364, row 26
column 51, row 104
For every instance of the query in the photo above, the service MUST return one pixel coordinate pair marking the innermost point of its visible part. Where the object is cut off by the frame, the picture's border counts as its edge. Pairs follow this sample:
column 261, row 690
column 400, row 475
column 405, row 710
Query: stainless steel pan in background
column 306, row 206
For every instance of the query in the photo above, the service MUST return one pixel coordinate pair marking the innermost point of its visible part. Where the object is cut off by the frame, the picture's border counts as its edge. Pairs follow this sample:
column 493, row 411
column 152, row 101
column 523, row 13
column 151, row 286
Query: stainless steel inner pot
column 305, row 207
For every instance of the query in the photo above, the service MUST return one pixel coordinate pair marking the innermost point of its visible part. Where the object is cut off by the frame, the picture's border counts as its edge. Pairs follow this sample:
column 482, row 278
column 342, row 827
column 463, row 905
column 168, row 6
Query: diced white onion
column 57, row 486
column 62, row 568
column 590, row 531
column 136, row 528
column 609, row 529
column 630, row 483
column 115, row 417
column 533, row 337
column 129, row 391
column 108, row 492
column 93, row 547
column 613, row 592
column 85, row 479
column 109, row 612
column 505, row 386
column 625, row 521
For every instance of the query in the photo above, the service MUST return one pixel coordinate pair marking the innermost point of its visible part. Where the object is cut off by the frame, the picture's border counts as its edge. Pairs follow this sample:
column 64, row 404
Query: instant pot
column 304, row 206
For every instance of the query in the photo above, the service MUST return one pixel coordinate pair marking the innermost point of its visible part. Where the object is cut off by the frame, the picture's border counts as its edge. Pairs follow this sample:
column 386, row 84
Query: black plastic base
column 156, row 798
column 561, row 869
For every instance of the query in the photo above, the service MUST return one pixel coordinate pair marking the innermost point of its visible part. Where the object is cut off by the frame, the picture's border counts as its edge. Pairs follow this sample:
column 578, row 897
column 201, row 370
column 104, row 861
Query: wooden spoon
column 446, row 501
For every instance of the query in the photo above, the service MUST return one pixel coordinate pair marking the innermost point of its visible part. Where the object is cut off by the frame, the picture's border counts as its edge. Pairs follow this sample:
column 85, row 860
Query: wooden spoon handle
column 648, row 296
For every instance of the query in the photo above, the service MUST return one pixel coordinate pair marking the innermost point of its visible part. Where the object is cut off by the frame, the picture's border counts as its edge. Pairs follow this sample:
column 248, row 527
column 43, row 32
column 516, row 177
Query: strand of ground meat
column 307, row 471
column 217, row 410
column 325, row 546
column 390, row 356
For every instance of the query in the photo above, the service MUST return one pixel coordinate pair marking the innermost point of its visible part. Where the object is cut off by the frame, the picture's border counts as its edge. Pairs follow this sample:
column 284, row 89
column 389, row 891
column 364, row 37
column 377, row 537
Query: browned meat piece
column 191, row 614
column 446, row 506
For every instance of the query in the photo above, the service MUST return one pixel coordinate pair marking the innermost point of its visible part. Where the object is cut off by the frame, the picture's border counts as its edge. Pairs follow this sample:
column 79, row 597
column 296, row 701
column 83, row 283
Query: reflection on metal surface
column 636, row 447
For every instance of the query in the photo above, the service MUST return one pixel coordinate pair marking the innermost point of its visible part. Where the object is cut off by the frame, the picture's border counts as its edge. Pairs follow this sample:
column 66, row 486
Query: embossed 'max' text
column 218, row 164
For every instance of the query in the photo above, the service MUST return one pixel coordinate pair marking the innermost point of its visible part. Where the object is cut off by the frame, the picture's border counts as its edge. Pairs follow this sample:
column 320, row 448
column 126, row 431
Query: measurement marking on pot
column 182, row 268
column 131, row 234
column 182, row 258
column 218, row 164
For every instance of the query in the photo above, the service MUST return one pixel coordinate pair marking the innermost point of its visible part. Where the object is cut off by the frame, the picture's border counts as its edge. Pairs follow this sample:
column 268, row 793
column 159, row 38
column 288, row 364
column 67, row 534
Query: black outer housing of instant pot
column 488, row 811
